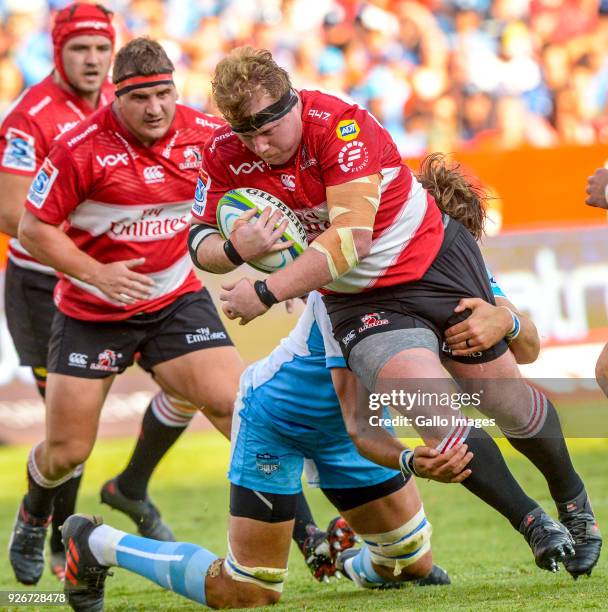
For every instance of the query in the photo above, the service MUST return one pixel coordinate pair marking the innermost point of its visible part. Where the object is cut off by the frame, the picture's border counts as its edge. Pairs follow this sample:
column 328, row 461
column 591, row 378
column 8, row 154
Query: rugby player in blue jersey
column 287, row 413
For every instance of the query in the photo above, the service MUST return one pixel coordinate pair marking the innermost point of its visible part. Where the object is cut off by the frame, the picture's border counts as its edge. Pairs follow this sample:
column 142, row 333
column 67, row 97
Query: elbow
column 528, row 353
column 363, row 244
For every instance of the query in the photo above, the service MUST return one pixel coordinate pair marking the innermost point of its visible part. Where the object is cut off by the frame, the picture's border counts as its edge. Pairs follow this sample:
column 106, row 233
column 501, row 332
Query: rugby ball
column 238, row 201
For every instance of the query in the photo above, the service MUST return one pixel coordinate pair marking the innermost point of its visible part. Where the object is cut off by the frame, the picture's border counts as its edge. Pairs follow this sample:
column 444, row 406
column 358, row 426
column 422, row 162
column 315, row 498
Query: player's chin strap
column 402, row 546
column 265, row 577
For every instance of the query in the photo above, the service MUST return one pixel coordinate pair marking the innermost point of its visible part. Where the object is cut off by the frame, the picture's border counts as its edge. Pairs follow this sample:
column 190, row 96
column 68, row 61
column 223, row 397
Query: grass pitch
column 490, row 564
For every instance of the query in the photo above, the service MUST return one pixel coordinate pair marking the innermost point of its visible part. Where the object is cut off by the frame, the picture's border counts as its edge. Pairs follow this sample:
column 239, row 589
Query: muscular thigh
column 505, row 394
column 73, row 406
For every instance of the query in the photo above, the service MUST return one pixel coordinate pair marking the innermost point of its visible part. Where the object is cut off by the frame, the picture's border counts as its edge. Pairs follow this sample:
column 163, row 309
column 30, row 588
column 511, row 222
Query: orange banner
column 538, row 188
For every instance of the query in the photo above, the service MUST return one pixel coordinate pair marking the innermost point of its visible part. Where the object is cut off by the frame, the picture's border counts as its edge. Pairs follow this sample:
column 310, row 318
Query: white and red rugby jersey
column 340, row 142
column 41, row 114
column 123, row 200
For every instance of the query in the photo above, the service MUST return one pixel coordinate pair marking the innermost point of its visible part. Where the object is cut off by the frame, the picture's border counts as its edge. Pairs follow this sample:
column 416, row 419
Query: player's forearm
column 211, row 256
column 379, row 446
column 13, row 191
column 526, row 346
column 52, row 247
column 308, row 272
column 372, row 441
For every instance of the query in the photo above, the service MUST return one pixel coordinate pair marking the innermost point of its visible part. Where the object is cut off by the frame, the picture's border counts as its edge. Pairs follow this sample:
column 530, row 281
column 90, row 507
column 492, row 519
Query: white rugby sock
column 103, row 541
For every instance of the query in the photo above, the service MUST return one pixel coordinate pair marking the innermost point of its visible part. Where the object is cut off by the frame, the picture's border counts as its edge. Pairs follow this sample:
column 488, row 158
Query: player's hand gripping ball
column 238, row 201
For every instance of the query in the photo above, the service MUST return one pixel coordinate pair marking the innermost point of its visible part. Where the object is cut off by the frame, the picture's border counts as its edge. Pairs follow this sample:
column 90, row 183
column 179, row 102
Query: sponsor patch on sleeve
column 200, row 194
column 348, row 129
column 41, row 186
column 20, row 151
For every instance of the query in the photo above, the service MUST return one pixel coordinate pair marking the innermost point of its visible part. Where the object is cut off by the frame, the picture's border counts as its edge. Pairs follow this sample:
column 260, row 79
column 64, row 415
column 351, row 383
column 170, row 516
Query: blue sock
column 362, row 565
column 178, row 566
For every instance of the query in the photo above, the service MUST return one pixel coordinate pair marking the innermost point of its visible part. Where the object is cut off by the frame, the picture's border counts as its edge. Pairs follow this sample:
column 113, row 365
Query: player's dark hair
column 454, row 193
column 243, row 74
column 142, row 57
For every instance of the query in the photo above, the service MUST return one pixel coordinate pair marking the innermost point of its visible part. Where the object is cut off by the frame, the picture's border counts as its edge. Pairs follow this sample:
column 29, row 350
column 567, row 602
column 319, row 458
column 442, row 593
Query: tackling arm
column 377, row 444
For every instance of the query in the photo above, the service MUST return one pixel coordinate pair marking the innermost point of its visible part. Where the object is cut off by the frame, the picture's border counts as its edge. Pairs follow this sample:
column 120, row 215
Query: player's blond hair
column 243, row 74
column 454, row 194
column 141, row 56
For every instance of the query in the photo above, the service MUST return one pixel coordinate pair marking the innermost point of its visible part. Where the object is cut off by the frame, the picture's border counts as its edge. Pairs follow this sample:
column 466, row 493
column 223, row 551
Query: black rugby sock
column 303, row 521
column 38, row 500
column 492, row 481
column 65, row 506
column 547, row 450
column 155, row 439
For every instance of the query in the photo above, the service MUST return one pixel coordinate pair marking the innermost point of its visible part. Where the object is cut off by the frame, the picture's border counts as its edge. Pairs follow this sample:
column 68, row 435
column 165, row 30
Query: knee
column 221, row 407
column 65, row 456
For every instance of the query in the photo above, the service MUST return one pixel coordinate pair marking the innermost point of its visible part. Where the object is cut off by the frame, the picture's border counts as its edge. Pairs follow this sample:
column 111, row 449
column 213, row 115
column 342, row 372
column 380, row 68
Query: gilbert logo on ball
column 238, row 201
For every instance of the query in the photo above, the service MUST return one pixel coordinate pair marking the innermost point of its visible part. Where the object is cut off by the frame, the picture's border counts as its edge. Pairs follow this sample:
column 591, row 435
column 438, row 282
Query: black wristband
column 232, row 254
column 266, row 296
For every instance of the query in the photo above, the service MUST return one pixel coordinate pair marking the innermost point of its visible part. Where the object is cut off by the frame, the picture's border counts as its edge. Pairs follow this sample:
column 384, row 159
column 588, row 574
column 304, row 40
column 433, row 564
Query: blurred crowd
column 441, row 75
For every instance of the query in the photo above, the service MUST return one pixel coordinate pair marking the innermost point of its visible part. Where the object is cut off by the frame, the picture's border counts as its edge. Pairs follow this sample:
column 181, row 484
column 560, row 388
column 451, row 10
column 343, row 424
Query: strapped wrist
column 232, row 254
column 266, row 296
column 515, row 328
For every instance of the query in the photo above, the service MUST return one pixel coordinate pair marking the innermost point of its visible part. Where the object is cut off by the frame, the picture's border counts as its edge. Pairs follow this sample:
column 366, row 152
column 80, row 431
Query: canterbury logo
column 113, row 160
column 247, row 168
column 154, row 174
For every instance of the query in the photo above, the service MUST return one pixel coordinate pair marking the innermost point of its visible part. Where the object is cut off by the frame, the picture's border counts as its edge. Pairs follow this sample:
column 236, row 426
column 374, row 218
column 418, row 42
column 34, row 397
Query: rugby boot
column 144, row 513
column 549, row 540
column 321, row 548
column 84, row 576
column 57, row 564
column 577, row 516
column 26, row 546
column 437, row 577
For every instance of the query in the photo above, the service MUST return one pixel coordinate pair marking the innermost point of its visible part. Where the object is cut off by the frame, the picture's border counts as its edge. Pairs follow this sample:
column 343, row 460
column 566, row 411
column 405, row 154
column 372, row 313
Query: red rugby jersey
column 123, row 200
column 340, row 142
column 41, row 114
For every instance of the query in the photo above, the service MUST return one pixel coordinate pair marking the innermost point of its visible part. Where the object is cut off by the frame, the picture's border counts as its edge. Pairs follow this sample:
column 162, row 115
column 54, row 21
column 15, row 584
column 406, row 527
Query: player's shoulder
column 324, row 110
column 197, row 119
column 32, row 103
column 84, row 134
column 223, row 144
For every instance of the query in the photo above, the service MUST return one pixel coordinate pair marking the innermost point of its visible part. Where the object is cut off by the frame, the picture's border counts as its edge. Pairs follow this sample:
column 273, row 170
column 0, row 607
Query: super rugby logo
column 267, row 464
column 42, row 184
column 248, row 168
column 200, row 194
column 372, row 320
column 353, row 156
column 106, row 361
column 20, row 151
